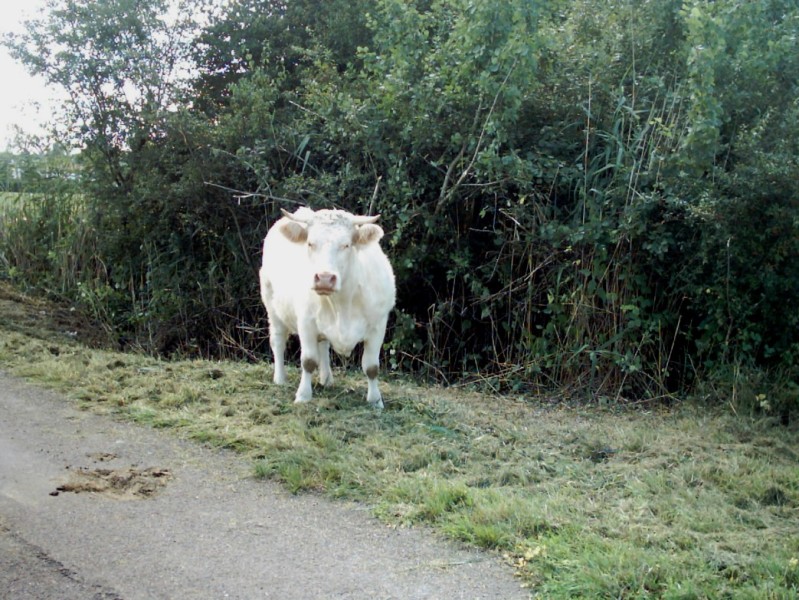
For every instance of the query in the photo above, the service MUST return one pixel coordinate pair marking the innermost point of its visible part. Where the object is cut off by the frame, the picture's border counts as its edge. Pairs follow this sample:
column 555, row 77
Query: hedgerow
column 590, row 197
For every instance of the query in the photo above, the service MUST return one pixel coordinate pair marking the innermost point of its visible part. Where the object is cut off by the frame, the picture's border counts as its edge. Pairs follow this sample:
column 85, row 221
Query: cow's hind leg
column 325, row 372
column 278, row 334
column 371, row 364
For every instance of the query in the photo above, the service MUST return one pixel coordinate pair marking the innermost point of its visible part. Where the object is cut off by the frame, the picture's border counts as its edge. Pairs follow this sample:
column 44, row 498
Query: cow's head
column 331, row 237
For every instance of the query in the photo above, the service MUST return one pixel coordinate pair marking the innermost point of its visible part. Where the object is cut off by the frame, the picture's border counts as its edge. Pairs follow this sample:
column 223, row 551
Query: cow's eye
column 311, row 245
column 344, row 246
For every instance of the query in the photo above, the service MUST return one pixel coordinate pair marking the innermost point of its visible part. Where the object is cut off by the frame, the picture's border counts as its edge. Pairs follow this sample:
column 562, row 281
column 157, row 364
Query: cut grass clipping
column 583, row 502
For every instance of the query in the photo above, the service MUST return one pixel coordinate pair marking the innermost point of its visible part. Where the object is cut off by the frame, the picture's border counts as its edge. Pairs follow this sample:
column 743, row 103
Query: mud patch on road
column 122, row 484
column 102, row 456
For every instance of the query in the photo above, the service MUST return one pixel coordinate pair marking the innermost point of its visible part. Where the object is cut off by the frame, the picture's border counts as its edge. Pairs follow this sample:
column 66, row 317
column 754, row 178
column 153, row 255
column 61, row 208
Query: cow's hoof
column 377, row 405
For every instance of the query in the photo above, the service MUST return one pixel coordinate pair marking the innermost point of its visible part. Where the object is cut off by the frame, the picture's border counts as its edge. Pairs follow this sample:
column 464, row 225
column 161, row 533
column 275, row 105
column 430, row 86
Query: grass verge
column 584, row 502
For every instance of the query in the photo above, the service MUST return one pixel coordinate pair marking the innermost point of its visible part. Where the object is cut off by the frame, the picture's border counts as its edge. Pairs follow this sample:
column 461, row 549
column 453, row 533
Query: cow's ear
column 366, row 234
column 295, row 232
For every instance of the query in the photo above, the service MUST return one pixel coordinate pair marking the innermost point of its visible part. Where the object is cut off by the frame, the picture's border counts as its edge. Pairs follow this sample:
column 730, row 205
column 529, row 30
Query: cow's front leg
column 371, row 364
column 309, row 359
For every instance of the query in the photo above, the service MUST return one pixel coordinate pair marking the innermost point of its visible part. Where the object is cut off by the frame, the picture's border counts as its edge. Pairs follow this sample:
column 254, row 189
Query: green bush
column 590, row 197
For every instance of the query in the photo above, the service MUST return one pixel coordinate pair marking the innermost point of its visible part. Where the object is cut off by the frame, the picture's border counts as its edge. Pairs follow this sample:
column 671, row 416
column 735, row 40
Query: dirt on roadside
column 47, row 319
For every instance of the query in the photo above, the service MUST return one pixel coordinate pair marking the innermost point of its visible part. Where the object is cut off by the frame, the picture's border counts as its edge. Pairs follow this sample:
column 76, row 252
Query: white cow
column 325, row 277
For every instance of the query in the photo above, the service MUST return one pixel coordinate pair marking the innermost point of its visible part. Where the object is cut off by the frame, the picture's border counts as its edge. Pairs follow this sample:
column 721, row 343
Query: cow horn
column 359, row 220
column 294, row 217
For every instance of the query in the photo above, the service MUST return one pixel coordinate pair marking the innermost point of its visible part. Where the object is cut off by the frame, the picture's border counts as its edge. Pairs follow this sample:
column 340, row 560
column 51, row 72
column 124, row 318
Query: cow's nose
column 325, row 282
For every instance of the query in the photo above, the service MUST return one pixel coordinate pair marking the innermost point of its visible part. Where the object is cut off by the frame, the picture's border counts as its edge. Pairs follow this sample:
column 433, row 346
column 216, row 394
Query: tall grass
column 574, row 289
column 60, row 243
column 46, row 240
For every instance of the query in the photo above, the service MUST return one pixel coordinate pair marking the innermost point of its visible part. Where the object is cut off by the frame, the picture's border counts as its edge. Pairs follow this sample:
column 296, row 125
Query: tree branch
column 446, row 194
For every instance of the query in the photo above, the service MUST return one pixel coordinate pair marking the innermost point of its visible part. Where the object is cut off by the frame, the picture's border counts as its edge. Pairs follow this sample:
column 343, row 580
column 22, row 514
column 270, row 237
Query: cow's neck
column 339, row 320
column 338, row 305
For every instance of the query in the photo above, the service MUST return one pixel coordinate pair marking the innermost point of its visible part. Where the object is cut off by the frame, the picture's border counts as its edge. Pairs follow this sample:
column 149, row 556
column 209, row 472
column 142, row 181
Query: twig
column 443, row 196
column 241, row 195
column 308, row 110
column 446, row 195
column 430, row 366
column 244, row 251
column 374, row 196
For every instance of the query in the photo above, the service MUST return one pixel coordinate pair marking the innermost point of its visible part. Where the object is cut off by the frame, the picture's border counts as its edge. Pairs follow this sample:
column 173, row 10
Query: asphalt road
column 202, row 529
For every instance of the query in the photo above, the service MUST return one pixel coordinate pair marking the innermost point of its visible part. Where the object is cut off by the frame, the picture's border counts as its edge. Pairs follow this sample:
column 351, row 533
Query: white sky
column 19, row 90
column 25, row 101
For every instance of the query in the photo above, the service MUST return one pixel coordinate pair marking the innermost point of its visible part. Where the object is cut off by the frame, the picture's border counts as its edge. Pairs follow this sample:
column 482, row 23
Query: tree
column 276, row 36
column 121, row 63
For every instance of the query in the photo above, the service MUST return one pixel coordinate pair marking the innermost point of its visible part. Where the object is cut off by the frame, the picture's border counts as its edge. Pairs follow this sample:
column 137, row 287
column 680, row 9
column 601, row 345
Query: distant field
column 584, row 502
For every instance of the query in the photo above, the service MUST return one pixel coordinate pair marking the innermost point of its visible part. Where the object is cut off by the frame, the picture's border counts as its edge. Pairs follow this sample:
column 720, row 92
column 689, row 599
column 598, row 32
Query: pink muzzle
column 324, row 284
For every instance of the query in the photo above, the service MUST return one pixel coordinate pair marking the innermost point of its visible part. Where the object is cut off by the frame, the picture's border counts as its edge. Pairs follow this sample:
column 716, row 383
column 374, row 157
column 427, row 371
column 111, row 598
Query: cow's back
column 284, row 271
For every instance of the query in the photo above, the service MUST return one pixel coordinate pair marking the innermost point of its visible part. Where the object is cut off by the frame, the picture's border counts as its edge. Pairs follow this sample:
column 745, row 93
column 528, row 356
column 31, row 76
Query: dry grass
column 585, row 502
